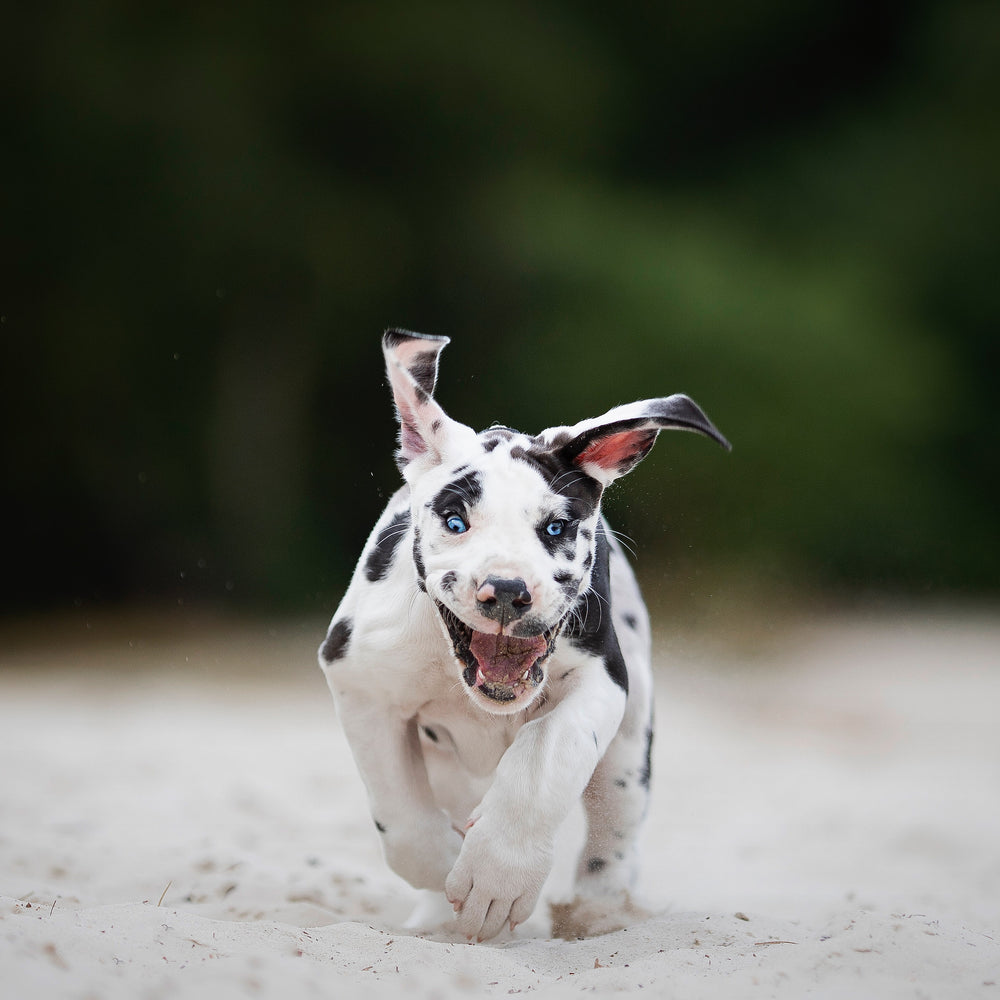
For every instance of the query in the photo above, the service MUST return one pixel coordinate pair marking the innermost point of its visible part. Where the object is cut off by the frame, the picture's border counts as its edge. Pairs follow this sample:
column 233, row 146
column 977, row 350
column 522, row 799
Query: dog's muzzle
column 501, row 667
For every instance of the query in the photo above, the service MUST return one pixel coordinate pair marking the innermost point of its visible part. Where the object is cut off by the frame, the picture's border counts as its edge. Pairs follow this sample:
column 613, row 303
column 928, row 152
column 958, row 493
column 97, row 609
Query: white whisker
column 625, row 541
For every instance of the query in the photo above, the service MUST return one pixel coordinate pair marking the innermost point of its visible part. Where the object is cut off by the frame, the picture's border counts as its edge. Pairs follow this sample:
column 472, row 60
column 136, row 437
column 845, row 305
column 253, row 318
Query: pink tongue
column 503, row 659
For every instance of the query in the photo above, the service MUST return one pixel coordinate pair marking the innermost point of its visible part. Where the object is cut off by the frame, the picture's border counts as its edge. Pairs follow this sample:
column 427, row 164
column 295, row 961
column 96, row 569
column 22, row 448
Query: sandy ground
column 180, row 817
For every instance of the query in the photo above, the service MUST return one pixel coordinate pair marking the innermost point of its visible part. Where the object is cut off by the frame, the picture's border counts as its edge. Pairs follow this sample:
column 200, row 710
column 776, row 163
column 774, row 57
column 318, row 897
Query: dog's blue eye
column 555, row 527
column 455, row 524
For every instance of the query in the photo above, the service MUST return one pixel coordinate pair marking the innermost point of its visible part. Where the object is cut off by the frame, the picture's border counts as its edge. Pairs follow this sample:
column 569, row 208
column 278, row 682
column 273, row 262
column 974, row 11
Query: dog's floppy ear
column 607, row 447
column 411, row 362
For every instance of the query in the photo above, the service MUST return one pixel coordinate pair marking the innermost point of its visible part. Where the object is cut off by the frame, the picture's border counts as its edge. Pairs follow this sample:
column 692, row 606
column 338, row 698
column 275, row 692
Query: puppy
column 490, row 660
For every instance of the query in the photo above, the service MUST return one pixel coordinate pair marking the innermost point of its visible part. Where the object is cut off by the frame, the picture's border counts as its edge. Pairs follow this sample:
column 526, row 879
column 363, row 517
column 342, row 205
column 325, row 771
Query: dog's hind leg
column 615, row 803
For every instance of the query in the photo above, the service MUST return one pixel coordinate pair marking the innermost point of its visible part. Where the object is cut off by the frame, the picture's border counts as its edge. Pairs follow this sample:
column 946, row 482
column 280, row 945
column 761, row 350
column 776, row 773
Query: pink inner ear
column 617, row 450
column 410, row 441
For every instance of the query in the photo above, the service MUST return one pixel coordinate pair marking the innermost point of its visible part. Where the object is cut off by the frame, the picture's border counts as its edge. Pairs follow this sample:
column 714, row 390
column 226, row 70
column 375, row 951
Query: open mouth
column 501, row 667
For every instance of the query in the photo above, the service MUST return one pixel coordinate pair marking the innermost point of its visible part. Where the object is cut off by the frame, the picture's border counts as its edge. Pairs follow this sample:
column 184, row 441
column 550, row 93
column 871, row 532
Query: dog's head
column 505, row 524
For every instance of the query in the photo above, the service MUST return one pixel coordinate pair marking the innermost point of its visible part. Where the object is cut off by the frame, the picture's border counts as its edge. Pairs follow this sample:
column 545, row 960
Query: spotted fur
column 490, row 660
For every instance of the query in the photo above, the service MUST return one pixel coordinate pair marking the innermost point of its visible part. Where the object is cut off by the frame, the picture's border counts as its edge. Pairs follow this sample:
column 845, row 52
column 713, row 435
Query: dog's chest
column 477, row 740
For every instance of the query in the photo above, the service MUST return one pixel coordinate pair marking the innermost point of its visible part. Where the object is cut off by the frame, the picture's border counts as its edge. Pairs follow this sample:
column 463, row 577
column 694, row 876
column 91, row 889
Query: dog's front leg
column 418, row 838
column 507, row 853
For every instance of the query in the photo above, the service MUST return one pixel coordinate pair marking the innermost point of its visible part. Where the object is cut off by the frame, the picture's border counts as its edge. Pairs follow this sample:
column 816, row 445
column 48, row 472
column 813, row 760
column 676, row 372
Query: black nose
column 503, row 600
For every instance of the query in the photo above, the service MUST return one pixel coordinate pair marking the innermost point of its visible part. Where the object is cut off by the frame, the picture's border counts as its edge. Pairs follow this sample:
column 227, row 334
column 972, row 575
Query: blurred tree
column 209, row 214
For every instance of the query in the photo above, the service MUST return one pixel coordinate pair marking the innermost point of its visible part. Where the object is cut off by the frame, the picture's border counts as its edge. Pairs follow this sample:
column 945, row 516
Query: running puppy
column 490, row 660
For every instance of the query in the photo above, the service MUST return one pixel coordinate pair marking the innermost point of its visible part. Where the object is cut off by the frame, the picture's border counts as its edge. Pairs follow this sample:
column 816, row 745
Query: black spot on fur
column 460, row 494
column 621, row 782
column 380, row 558
column 379, row 827
column 631, row 621
column 423, row 370
column 449, row 580
column 647, row 766
column 494, row 436
column 567, row 582
column 590, row 628
column 595, row 865
column 395, row 336
column 564, row 479
column 430, row 734
column 337, row 640
column 418, row 561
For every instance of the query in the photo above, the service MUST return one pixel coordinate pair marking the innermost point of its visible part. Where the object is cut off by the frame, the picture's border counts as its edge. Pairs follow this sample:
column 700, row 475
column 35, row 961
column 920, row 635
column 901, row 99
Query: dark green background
column 789, row 211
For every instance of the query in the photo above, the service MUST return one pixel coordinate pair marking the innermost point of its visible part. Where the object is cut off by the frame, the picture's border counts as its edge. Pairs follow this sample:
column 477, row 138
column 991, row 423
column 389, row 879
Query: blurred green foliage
column 788, row 211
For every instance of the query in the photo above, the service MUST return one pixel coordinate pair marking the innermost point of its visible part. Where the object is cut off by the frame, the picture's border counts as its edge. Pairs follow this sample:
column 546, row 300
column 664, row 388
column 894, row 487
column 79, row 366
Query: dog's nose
column 503, row 600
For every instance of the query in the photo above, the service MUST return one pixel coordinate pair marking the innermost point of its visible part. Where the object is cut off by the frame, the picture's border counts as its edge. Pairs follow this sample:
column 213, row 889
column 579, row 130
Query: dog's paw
column 591, row 916
column 497, row 879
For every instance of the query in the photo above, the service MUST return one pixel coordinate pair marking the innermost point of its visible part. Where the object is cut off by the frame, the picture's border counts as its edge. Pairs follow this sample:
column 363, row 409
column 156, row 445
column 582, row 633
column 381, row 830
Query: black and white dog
column 490, row 660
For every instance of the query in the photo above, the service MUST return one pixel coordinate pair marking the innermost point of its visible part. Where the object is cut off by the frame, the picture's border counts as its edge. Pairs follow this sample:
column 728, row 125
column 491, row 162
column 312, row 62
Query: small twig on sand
column 162, row 894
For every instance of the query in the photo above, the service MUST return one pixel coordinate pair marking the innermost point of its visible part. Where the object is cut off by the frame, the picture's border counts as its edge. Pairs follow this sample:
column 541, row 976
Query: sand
column 180, row 817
